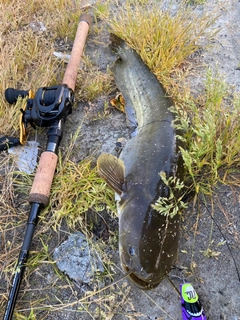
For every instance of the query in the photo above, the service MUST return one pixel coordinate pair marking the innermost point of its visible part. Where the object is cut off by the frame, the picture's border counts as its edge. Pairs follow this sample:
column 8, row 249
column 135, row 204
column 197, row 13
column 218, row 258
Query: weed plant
column 212, row 136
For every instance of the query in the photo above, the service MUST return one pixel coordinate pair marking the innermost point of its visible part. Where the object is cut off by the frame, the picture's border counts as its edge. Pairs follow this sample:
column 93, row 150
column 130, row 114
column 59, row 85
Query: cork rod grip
column 43, row 179
column 71, row 72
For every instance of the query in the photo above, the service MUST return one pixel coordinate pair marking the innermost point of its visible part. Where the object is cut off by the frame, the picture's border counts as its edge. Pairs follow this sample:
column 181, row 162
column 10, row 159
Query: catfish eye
column 132, row 251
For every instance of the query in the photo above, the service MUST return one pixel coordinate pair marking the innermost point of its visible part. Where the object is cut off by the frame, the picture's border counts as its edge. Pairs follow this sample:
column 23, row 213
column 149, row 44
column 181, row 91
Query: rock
column 77, row 259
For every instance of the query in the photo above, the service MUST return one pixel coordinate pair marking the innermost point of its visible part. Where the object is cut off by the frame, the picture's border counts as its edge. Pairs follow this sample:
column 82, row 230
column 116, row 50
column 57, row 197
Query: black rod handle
column 17, row 279
column 22, row 259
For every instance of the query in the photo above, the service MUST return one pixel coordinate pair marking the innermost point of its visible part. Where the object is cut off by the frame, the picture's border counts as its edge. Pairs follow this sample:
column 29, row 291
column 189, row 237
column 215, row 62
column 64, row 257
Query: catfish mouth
column 139, row 282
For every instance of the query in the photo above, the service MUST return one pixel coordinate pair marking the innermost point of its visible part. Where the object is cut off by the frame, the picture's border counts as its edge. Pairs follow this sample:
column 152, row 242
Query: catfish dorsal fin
column 111, row 169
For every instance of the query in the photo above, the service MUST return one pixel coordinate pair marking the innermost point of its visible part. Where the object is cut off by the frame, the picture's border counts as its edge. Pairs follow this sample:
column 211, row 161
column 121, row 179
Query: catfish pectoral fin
column 111, row 169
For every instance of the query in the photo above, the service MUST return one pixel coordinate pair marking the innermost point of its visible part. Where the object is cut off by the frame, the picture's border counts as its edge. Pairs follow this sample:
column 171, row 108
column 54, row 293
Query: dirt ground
column 215, row 278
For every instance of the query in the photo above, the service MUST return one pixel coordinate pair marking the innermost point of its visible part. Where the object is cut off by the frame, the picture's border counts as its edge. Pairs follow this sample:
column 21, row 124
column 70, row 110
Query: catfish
column 148, row 240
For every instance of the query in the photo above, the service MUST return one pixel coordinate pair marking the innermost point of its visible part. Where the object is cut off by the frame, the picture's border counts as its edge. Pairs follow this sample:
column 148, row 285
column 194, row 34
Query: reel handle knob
column 11, row 95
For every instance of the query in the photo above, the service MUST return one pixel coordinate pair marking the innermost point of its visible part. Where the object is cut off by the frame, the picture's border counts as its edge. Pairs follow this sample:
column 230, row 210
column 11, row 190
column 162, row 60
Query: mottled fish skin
column 148, row 241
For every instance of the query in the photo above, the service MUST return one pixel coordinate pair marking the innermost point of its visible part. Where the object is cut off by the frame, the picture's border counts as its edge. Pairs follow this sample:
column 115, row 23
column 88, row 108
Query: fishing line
column 173, row 285
column 154, row 302
column 230, row 251
column 71, row 304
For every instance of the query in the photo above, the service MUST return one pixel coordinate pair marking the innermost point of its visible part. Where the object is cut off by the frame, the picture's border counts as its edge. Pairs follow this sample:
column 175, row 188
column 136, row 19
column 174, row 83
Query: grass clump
column 92, row 83
column 162, row 39
column 76, row 188
column 212, row 135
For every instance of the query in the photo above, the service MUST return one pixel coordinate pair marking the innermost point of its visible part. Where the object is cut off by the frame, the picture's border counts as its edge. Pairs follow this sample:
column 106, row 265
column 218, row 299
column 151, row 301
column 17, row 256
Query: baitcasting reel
column 42, row 110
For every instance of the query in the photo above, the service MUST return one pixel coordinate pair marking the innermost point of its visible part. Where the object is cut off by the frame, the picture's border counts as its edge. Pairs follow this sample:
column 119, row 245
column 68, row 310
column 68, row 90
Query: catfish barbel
column 148, row 240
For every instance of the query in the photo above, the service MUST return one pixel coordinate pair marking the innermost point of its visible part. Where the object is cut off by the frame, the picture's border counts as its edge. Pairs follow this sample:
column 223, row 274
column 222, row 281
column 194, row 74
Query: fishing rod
column 48, row 108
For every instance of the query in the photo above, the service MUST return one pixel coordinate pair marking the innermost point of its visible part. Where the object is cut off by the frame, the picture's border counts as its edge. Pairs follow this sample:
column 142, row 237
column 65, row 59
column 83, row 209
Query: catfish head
column 148, row 241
